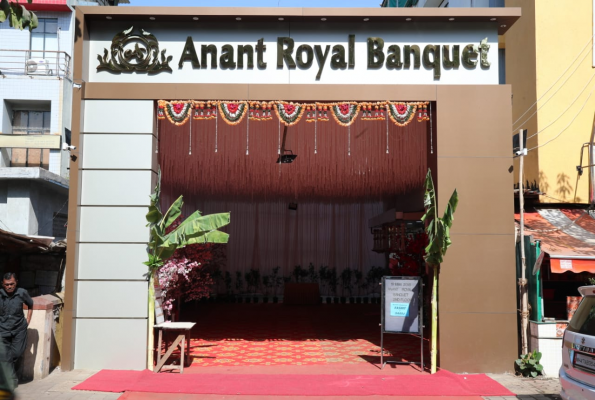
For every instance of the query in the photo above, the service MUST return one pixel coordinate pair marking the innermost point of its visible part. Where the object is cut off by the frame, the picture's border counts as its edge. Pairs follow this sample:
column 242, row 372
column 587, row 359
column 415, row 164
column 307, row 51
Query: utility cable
column 52, row 220
column 567, row 126
column 554, row 84
column 563, row 112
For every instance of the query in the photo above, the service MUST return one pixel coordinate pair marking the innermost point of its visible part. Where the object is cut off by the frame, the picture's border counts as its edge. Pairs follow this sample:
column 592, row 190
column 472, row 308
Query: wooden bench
column 182, row 339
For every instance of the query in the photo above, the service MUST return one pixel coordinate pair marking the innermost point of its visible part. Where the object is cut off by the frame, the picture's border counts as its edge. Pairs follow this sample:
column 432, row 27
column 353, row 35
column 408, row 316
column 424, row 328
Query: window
column 45, row 38
column 30, row 123
column 583, row 320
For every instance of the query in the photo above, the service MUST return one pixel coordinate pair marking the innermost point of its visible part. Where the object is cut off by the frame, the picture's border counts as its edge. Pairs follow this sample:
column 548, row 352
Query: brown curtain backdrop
column 349, row 180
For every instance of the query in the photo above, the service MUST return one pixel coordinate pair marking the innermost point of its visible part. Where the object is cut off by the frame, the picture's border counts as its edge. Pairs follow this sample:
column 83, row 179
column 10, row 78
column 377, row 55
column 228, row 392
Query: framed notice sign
column 402, row 311
column 400, row 304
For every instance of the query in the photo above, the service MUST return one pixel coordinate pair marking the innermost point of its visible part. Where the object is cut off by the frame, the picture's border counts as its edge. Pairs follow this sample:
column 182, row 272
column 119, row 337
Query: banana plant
column 17, row 15
column 196, row 229
column 438, row 232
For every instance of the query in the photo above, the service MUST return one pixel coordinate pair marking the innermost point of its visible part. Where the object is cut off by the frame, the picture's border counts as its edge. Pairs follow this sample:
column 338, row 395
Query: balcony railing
column 35, row 63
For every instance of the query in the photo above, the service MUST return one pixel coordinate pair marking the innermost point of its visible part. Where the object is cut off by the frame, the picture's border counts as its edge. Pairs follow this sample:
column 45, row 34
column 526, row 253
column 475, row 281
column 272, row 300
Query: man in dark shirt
column 13, row 326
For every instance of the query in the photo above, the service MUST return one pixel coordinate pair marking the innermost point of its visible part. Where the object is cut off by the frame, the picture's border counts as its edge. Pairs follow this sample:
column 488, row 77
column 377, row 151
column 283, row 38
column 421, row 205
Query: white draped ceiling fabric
column 350, row 179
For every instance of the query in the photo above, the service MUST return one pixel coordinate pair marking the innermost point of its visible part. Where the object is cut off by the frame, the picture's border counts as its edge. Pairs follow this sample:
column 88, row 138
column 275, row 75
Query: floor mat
column 276, row 334
column 443, row 383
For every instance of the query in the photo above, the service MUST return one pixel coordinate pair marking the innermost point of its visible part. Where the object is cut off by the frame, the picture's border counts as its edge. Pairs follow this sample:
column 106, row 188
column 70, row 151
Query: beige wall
column 478, row 327
column 540, row 47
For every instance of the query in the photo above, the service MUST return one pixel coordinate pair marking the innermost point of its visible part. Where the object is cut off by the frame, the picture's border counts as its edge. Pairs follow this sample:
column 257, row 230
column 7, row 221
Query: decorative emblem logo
column 583, row 341
column 144, row 57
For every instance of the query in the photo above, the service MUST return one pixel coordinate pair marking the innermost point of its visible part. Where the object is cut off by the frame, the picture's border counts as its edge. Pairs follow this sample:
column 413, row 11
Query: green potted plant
column 528, row 365
column 276, row 281
column 333, row 282
column 359, row 277
column 227, row 281
column 239, row 286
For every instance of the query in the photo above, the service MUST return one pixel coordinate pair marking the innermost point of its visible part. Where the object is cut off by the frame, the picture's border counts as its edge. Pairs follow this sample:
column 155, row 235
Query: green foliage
column 252, row 279
column 197, row 228
column 438, row 229
column 17, row 15
column 528, row 365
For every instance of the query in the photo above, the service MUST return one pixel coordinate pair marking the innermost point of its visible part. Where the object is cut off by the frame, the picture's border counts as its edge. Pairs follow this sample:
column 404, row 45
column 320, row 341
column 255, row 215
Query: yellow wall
column 557, row 31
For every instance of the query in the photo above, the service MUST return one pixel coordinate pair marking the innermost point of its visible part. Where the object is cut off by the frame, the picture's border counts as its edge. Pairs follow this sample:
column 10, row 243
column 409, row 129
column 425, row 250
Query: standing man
column 13, row 326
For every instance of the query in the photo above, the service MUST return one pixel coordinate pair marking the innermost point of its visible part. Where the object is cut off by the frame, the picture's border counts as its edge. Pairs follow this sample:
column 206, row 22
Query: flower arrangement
column 176, row 111
column 289, row 113
column 233, row 112
column 345, row 113
column 406, row 257
column 187, row 275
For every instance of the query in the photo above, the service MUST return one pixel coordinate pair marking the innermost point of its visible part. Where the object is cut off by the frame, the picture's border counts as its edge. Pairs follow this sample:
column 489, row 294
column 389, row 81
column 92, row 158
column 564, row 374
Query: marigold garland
column 176, row 111
column 204, row 110
column 322, row 110
column 373, row 111
column 422, row 114
column 311, row 113
column 260, row 110
column 345, row 113
column 289, row 113
column 233, row 112
column 401, row 113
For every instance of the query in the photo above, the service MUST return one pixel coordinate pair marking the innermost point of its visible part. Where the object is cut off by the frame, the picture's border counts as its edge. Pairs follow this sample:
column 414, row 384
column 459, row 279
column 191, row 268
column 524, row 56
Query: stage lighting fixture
column 286, row 158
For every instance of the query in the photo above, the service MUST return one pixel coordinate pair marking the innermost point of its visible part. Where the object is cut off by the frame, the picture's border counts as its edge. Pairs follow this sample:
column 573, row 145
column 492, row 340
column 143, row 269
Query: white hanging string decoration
column 157, row 117
column 216, row 128
column 349, row 140
column 247, row 133
column 279, row 148
column 386, row 119
column 190, row 142
column 431, row 132
column 315, row 126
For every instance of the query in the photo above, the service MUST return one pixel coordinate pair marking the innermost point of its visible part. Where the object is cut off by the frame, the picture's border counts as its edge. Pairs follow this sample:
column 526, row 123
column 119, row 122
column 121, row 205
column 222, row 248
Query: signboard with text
column 293, row 53
column 400, row 304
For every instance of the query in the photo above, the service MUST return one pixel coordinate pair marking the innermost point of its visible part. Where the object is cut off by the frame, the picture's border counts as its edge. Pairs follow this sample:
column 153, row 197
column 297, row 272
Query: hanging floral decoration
column 160, row 110
column 289, row 113
column 233, row 112
column 373, row 111
column 422, row 112
column 177, row 111
column 401, row 113
column 260, row 111
column 322, row 110
column 345, row 113
column 204, row 110
column 311, row 113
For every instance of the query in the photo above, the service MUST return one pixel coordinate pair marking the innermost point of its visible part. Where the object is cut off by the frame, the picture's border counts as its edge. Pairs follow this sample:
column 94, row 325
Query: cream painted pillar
column 117, row 176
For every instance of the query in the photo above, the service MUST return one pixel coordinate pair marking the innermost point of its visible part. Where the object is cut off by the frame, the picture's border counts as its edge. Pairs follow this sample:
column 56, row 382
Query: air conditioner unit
column 38, row 67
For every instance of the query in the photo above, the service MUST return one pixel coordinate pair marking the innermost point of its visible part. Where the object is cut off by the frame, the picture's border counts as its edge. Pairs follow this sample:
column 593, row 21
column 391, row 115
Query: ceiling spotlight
column 451, row 19
column 281, row 18
column 407, row 19
column 195, row 18
column 323, row 19
column 366, row 19
column 493, row 19
column 108, row 17
column 238, row 18
column 286, row 158
column 502, row 26
column 152, row 18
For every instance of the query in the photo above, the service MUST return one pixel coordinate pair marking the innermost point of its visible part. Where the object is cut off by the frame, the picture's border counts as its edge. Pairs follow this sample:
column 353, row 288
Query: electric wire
column 563, row 112
column 52, row 220
column 567, row 126
column 554, row 84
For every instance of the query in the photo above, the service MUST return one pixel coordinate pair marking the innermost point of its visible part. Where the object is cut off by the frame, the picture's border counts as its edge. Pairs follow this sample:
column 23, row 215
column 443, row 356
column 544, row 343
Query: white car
column 577, row 374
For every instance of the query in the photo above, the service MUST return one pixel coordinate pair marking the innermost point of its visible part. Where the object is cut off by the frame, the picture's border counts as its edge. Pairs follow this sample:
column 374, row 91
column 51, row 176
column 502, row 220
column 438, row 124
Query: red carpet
column 442, row 383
